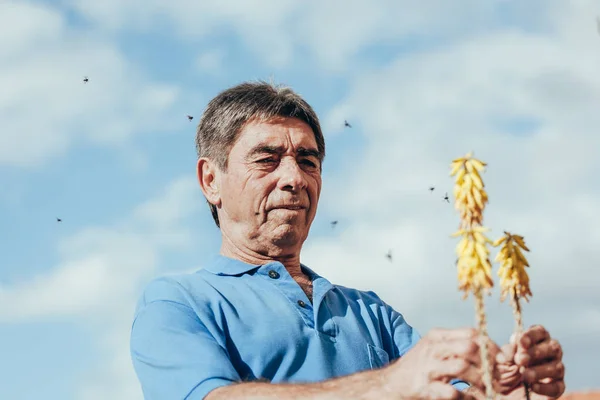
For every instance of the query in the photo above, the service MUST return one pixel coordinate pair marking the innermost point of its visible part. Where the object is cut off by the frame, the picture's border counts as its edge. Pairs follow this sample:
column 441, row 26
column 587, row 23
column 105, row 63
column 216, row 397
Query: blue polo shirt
column 231, row 322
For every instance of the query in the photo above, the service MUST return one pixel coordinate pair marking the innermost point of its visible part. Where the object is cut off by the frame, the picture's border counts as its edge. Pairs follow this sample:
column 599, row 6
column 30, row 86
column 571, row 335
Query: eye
column 309, row 163
column 266, row 160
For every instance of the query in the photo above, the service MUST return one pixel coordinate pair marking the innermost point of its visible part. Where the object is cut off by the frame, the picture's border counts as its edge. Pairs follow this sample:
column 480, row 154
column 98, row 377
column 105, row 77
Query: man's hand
column 426, row 370
column 535, row 358
column 507, row 375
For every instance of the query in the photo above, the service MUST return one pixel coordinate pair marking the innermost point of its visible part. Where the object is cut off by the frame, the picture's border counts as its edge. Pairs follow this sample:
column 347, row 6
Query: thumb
column 507, row 353
column 513, row 338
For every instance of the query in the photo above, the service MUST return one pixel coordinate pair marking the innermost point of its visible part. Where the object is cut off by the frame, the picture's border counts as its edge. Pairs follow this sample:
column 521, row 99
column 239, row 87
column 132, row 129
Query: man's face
column 270, row 191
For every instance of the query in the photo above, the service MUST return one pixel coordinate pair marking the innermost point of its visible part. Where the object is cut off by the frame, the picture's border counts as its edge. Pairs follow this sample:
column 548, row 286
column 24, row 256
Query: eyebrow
column 269, row 149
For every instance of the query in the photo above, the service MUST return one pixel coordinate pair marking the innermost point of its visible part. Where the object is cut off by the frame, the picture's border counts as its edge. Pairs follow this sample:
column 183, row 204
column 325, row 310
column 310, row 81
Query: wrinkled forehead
column 284, row 133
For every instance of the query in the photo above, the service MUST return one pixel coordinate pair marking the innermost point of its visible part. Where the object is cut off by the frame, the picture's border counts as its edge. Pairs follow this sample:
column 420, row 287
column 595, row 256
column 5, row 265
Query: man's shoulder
column 181, row 288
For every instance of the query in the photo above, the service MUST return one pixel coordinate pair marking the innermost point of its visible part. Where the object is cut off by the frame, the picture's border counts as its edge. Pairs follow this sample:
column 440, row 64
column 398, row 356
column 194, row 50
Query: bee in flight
column 389, row 255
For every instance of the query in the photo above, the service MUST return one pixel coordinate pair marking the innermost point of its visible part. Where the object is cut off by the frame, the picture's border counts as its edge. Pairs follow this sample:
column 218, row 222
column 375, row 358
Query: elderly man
column 256, row 323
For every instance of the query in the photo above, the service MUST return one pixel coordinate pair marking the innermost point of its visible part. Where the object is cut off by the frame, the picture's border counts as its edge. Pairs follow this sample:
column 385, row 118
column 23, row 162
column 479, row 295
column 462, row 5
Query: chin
column 288, row 238
column 281, row 251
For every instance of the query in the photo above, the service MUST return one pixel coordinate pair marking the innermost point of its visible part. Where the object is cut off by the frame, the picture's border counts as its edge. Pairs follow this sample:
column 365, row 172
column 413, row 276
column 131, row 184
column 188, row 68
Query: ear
column 208, row 177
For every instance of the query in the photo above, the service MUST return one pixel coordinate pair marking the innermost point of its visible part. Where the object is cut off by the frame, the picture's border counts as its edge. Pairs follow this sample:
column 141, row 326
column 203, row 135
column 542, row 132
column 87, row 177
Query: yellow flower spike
column 521, row 242
column 460, row 232
column 479, row 166
column 478, row 197
column 513, row 276
column 514, row 281
column 455, row 168
column 499, row 241
column 476, row 179
column 473, row 264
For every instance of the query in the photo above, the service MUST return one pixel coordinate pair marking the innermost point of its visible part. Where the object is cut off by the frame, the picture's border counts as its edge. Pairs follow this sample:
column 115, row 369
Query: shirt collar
column 222, row 265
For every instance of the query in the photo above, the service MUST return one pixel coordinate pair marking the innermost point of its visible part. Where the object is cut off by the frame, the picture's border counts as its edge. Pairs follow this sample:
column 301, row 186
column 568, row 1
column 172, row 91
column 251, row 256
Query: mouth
column 293, row 208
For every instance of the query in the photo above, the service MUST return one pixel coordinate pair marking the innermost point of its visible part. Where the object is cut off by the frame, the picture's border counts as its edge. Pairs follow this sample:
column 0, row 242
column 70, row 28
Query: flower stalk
column 514, row 281
column 473, row 263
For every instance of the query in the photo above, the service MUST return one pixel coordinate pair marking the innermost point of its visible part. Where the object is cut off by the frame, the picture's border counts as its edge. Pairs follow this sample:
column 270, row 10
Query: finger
column 553, row 370
column 551, row 389
column 441, row 334
column 540, row 353
column 444, row 391
column 533, row 335
column 507, row 377
column 467, row 349
column 503, row 372
column 506, row 354
column 458, row 368
column 549, row 350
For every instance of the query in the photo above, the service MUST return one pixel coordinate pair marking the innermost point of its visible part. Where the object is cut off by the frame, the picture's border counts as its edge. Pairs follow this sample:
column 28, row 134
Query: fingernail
column 501, row 358
column 526, row 342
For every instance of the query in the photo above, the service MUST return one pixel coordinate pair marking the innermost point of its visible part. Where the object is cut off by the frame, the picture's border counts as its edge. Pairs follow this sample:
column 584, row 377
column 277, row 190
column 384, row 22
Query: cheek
column 235, row 192
column 229, row 190
column 259, row 191
column 316, row 187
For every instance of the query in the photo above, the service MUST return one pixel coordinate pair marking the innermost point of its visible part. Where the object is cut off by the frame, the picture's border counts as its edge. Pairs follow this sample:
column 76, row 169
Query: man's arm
column 366, row 385
column 476, row 393
column 176, row 351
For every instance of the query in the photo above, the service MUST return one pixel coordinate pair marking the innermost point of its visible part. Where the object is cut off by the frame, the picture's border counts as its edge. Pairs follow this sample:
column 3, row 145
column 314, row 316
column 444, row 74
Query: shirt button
column 301, row 303
column 273, row 274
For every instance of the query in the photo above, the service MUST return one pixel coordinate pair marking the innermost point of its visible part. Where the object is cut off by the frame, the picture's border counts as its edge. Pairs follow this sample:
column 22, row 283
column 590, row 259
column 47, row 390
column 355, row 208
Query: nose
column 291, row 176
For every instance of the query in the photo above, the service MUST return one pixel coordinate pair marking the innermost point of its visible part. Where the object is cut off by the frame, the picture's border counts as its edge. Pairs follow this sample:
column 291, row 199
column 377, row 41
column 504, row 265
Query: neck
column 291, row 261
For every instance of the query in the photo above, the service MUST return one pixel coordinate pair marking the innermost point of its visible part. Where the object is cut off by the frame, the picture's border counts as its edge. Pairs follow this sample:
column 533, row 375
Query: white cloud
column 99, row 279
column 178, row 199
column 114, row 377
column 422, row 111
column 45, row 108
column 211, row 61
column 417, row 113
column 101, row 268
column 258, row 24
column 281, row 33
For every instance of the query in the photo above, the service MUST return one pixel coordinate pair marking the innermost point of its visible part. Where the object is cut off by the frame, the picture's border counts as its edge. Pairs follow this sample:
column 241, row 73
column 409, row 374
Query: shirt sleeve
column 174, row 354
column 406, row 337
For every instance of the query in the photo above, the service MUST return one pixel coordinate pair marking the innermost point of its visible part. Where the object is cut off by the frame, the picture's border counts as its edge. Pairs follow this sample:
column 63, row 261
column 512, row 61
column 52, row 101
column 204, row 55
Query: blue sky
column 421, row 85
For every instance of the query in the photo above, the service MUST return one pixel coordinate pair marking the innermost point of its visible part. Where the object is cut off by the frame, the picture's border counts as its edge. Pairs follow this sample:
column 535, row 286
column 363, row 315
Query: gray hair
column 228, row 112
